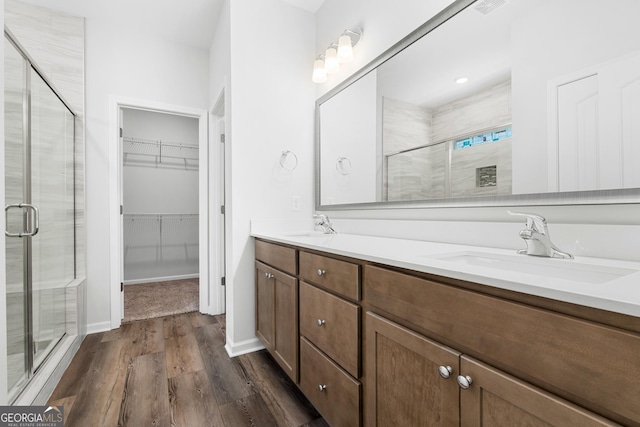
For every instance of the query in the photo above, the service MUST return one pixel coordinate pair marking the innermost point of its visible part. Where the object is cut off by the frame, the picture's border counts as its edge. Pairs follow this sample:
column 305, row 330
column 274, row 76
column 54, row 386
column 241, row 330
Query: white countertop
column 618, row 289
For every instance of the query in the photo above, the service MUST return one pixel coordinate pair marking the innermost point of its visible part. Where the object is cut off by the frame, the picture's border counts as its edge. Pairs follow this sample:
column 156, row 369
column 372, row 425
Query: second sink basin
column 546, row 267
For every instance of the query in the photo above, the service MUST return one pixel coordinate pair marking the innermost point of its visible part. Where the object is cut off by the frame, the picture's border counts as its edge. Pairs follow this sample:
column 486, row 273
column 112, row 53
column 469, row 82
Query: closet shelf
column 158, row 148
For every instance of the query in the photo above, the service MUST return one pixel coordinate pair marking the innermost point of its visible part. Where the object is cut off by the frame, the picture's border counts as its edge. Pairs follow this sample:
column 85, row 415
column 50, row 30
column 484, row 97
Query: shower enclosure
column 40, row 215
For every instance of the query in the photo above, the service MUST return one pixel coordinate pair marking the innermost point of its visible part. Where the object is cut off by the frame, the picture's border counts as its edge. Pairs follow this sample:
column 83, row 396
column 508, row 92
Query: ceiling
column 190, row 22
column 308, row 5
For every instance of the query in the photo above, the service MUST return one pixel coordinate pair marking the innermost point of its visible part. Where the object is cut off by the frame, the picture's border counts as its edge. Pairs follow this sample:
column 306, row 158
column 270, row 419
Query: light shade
column 331, row 64
column 319, row 73
column 345, row 49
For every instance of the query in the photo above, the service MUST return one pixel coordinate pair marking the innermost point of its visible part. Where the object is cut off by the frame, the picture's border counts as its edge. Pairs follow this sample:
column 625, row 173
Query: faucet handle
column 321, row 218
column 534, row 222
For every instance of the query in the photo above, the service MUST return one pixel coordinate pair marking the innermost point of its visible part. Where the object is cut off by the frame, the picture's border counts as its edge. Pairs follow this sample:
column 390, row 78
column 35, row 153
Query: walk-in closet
column 160, row 213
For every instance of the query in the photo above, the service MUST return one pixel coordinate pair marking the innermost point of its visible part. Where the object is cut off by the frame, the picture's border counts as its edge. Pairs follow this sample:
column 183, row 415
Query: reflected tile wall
column 484, row 110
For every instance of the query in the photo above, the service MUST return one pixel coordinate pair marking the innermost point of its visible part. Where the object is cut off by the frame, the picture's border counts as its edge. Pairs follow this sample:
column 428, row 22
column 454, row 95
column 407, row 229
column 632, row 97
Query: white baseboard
column 161, row 279
column 243, row 347
column 94, row 328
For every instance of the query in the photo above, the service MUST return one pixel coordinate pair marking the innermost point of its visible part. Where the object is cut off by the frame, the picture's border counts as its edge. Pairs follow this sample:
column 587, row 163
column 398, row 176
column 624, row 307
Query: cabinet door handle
column 321, row 272
column 322, row 387
column 321, row 322
column 464, row 382
column 445, row 371
column 268, row 275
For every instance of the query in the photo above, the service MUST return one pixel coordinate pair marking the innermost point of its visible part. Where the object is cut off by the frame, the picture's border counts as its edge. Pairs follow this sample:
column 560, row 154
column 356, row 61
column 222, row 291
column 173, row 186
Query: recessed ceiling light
column 461, row 80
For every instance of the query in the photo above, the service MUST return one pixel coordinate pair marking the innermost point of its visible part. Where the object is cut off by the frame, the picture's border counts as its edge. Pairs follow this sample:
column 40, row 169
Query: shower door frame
column 29, row 66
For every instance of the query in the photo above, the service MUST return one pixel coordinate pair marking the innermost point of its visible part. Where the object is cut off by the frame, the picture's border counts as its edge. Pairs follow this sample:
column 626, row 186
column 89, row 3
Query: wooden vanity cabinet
column 333, row 392
column 330, row 337
column 551, row 365
column 385, row 346
column 308, row 318
column 332, row 324
column 277, row 304
column 413, row 382
column 265, row 305
column 497, row 399
column 404, row 384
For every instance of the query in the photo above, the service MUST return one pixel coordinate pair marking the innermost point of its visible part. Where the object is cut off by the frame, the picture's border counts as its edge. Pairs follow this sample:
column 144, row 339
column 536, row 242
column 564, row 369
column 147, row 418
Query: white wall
column 271, row 99
column 132, row 65
column 606, row 230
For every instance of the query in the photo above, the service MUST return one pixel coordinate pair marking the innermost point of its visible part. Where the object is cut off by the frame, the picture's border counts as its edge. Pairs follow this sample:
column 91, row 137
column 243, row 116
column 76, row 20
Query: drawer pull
column 321, row 272
column 322, row 387
column 464, row 382
column 445, row 371
column 268, row 275
column 321, row 322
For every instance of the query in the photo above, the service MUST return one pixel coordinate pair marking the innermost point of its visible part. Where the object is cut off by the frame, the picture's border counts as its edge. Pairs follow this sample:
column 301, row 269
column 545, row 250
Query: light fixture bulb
column 345, row 49
column 461, row 80
column 331, row 64
column 319, row 73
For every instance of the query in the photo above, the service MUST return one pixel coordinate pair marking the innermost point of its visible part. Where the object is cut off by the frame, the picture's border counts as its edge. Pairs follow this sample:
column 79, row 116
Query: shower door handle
column 25, row 233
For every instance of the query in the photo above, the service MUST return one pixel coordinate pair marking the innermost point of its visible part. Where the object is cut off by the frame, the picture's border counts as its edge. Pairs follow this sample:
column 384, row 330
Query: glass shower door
column 40, row 217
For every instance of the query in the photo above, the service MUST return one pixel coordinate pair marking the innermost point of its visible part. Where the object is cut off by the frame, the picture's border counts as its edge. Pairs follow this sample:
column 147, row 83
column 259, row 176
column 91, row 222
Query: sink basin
column 546, row 267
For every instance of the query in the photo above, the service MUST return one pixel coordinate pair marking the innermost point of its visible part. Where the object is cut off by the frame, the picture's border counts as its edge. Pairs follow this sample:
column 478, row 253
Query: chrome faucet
column 324, row 222
column 536, row 236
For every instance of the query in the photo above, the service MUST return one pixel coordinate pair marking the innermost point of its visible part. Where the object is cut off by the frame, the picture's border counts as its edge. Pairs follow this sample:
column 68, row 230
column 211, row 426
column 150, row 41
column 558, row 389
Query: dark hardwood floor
column 174, row 371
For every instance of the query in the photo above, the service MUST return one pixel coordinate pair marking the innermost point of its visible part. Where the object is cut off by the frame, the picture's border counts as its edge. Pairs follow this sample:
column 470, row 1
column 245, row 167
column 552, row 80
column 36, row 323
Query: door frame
column 217, row 184
column 208, row 301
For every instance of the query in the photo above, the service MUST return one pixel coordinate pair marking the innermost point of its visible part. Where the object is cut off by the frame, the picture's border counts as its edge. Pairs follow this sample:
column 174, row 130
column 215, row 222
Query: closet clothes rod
column 159, row 149
column 140, row 216
column 159, row 143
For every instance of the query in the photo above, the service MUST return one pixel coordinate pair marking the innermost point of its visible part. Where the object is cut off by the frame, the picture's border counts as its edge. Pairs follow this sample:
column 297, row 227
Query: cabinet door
column 497, row 399
column 265, row 305
column 403, row 383
column 286, row 323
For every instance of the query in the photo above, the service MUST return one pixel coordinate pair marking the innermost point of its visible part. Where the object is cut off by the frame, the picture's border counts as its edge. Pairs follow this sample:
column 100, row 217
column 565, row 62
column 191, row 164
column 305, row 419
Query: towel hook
column 285, row 163
column 343, row 166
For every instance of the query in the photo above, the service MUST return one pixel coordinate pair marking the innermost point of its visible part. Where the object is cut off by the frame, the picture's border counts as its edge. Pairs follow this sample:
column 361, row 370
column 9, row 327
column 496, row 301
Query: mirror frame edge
column 573, row 198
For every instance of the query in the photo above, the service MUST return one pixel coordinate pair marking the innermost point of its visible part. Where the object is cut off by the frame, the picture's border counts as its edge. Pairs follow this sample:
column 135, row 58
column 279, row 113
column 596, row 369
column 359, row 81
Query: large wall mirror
column 492, row 102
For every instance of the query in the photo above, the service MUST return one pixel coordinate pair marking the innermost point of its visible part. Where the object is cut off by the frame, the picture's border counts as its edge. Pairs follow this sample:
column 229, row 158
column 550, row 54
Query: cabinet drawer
column 277, row 256
column 582, row 361
column 339, row 276
column 332, row 324
column 331, row 390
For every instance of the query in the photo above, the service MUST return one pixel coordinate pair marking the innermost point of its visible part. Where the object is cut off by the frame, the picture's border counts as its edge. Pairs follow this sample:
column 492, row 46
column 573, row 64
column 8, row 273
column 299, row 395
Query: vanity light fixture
column 319, row 73
column 331, row 64
column 461, row 80
column 336, row 54
column 346, row 42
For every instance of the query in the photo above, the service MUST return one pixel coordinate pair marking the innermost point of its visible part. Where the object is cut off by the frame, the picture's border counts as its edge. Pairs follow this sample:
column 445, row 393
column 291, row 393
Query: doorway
column 160, row 221
column 165, row 228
